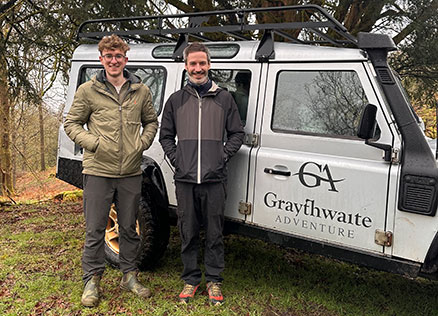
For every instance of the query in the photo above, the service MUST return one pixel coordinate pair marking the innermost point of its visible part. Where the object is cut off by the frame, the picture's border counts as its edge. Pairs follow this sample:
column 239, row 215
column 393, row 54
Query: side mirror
column 367, row 123
column 366, row 130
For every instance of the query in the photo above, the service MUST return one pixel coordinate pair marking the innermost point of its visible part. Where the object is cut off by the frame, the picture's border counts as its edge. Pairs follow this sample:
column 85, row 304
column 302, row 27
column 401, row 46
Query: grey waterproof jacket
column 112, row 141
column 209, row 132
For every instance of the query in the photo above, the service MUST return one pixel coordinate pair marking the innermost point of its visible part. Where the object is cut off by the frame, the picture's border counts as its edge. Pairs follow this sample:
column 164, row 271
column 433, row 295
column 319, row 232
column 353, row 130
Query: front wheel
column 152, row 226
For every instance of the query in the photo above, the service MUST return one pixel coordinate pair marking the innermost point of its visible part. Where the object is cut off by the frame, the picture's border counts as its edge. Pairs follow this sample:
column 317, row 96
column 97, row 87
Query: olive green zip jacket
column 112, row 141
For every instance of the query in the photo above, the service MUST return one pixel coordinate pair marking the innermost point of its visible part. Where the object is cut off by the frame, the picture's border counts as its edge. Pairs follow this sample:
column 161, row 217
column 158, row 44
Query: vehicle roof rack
column 320, row 28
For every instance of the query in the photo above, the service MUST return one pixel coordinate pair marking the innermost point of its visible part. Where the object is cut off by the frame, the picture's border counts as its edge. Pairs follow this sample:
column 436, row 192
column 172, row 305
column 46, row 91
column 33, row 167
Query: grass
column 40, row 274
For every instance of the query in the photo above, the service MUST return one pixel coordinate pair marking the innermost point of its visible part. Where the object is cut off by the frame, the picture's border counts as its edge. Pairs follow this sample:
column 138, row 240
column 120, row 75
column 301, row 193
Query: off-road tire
column 153, row 227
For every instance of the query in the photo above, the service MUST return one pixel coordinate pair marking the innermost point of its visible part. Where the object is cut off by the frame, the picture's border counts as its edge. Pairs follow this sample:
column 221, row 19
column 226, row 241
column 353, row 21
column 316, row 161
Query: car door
column 242, row 81
column 313, row 178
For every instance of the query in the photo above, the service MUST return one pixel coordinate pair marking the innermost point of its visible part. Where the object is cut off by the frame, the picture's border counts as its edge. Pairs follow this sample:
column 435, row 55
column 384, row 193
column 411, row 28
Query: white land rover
column 334, row 160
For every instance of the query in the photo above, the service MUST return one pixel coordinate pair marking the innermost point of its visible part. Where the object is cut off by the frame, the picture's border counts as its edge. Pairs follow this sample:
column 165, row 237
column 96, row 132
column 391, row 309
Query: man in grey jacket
column 200, row 115
column 114, row 105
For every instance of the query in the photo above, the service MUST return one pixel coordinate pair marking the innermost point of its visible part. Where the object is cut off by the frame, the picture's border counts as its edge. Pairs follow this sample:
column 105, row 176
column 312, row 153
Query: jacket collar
column 101, row 77
column 202, row 89
column 215, row 89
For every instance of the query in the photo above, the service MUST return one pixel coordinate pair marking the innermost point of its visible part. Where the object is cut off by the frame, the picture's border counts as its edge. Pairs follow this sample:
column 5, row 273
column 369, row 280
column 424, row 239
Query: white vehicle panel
column 238, row 166
column 339, row 212
column 66, row 147
column 337, row 188
column 413, row 234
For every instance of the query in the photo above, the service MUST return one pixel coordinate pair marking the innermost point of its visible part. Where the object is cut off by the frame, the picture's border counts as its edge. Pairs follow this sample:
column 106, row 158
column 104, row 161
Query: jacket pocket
column 132, row 148
column 213, row 161
column 132, row 138
column 186, row 159
column 132, row 106
column 106, row 151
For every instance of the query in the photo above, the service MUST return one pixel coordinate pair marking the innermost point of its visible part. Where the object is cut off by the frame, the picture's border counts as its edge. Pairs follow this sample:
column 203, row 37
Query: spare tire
column 152, row 226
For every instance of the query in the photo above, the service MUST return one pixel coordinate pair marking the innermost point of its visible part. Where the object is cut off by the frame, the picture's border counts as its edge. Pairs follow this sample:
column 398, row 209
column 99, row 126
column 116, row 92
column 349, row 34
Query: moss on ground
column 40, row 274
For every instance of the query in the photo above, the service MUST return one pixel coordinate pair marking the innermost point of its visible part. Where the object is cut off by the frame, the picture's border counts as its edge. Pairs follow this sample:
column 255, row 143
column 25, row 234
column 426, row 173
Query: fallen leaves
column 51, row 303
column 39, row 186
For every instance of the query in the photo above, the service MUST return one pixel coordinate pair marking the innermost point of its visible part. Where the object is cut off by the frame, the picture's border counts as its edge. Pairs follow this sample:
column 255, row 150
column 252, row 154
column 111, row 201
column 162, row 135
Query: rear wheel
column 112, row 239
column 152, row 226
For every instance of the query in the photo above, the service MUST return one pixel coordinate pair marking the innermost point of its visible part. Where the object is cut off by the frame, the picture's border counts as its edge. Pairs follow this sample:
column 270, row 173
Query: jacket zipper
column 120, row 140
column 199, row 138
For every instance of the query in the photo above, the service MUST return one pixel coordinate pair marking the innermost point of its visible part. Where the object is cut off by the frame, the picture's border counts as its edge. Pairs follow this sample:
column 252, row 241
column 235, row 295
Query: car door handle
column 286, row 173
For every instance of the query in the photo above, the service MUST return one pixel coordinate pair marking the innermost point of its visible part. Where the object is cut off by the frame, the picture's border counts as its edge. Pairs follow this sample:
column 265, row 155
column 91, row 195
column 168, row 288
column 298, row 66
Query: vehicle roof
column 246, row 53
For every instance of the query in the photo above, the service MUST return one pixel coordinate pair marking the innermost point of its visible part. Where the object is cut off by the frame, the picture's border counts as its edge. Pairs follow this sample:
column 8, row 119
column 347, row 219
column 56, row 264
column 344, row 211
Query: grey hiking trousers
column 99, row 194
column 201, row 205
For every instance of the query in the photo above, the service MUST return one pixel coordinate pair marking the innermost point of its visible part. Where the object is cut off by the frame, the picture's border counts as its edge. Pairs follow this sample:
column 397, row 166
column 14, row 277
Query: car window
column 237, row 82
column 326, row 103
column 153, row 77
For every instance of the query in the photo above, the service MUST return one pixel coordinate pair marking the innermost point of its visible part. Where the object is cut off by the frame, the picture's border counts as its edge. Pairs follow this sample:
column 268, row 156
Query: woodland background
column 38, row 37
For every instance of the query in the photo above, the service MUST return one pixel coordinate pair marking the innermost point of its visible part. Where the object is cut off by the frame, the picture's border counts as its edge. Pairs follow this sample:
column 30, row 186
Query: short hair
column 113, row 42
column 196, row 47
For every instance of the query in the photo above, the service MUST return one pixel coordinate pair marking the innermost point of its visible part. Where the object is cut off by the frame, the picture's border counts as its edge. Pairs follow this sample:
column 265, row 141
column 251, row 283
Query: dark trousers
column 99, row 194
column 201, row 205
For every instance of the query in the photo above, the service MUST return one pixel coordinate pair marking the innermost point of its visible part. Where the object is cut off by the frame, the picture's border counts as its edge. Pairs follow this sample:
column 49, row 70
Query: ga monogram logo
column 312, row 180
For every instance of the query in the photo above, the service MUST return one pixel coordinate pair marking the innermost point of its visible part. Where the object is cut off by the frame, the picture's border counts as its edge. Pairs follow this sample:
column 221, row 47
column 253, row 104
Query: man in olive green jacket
column 114, row 105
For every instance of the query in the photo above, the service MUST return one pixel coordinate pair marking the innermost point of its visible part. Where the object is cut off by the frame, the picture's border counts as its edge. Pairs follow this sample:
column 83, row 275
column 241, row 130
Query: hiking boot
column 130, row 283
column 214, row 293
column 187, row 293
column 90, row 297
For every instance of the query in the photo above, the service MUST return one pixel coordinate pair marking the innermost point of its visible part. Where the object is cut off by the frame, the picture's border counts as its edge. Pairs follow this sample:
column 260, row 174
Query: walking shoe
column 130, row 283
column 214, row 293
column 187, row 293
column 90, row 297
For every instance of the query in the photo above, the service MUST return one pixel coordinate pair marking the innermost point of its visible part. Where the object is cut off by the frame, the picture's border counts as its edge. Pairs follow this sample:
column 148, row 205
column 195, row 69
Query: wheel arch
column 430, row 265
column 152, row 172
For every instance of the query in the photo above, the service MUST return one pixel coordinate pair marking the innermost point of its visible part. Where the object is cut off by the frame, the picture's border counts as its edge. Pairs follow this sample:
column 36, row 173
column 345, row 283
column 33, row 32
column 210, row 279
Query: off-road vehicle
column 334, row 161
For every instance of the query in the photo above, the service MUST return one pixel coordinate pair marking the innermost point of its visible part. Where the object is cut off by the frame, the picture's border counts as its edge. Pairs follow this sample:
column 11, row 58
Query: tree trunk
column 23, row 150
column 7, row 187
column 42, row 146
column 14, row 155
